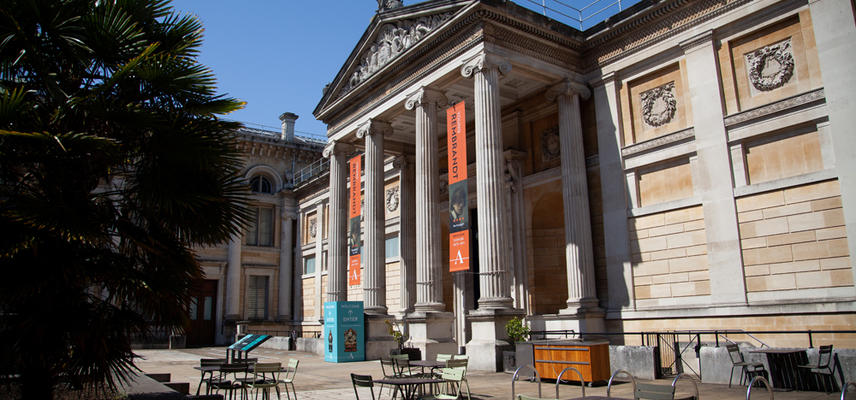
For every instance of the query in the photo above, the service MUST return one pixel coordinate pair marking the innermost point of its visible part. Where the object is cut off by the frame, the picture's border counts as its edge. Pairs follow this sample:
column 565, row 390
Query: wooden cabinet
column 591, row 358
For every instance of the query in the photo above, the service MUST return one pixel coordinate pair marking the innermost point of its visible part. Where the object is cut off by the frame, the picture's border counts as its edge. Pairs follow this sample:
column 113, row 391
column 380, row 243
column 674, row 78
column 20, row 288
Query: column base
column 489, row 339
column 580, row 322
column 432, row 333
column 378, row 340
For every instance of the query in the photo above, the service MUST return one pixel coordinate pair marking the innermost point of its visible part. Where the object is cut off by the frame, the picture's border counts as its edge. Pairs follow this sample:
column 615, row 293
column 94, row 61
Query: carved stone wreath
column 659, row 105
column 392, row 199
column 771, row 67
column 392, row 40
column 550, row 145
column 313, row 228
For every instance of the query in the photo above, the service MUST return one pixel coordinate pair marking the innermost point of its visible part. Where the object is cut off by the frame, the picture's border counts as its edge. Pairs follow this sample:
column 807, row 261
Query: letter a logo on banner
column 459, row 211
column 354, row 211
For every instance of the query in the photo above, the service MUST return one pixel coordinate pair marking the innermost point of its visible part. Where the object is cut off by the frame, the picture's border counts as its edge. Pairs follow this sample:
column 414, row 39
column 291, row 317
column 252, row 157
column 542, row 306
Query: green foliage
column 113, row 166
column 393, row 330
column 516, row 330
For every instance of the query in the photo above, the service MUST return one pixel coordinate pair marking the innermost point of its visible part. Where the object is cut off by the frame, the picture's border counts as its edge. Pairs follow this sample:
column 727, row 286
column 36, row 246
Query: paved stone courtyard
column 317, row 379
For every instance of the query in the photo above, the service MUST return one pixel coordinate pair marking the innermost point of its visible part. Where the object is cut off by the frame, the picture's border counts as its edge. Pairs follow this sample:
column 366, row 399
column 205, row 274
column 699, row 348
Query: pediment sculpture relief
column 392, row 40
column 659, row 105
column 771, row 67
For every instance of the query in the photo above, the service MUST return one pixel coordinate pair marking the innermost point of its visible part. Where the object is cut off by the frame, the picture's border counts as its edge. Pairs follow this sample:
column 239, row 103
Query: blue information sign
column 344, row 331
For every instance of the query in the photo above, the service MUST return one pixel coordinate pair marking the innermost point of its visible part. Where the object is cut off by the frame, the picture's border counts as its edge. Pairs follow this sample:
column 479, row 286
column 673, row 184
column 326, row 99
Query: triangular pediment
column 389, row 36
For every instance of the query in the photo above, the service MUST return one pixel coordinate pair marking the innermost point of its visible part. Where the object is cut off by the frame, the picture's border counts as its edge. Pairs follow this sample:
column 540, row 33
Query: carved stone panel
column 771, row 67
column 659, row 105
column 550, row 145
column 392, row 199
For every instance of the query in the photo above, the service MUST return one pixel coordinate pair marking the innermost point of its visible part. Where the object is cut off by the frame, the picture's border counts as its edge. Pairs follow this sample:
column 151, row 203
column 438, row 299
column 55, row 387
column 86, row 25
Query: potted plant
column 517, row 332
column 400, row 338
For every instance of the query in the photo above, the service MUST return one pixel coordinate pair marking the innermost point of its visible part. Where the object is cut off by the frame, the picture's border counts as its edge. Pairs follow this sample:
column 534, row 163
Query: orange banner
column 354, row 211
column 459, row 225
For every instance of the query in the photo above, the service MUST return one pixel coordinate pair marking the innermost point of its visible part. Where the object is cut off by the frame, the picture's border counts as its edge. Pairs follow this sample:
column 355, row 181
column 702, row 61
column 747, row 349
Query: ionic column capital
column 373, row 127
column 402, row 161
column 425, row 96
column 568, row 88
column 484, row 62
column 337, row 147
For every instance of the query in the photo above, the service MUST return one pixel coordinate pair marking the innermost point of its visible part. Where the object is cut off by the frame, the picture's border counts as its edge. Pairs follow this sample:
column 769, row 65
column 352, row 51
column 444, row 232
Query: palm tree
column 113, row 166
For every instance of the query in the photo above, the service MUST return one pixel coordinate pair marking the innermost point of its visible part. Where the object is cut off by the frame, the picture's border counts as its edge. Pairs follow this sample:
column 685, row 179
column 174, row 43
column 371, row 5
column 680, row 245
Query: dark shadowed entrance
column 203, row 297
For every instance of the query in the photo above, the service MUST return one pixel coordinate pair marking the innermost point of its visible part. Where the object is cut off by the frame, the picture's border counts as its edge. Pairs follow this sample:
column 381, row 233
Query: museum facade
column 681, row 165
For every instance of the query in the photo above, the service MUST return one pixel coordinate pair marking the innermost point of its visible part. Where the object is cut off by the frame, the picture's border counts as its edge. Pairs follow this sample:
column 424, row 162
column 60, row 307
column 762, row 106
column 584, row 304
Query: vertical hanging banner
column 459, row 223
column 354, row 222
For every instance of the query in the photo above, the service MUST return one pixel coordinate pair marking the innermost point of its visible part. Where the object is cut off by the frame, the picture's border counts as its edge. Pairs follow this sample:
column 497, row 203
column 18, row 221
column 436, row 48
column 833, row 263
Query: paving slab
column 318, row 379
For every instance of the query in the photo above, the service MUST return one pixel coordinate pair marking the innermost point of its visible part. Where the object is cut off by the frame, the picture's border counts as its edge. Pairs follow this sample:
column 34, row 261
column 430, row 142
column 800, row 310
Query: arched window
column 260, row 184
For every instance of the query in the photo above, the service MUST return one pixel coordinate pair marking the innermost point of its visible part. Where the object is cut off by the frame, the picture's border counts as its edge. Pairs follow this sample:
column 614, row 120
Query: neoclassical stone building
column 249, row 281
column 681, row 165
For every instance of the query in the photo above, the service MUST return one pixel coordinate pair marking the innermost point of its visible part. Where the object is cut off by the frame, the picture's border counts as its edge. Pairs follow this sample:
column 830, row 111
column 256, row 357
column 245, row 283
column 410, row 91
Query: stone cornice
column 655, row 143
column 652, row 25
column 779, row 106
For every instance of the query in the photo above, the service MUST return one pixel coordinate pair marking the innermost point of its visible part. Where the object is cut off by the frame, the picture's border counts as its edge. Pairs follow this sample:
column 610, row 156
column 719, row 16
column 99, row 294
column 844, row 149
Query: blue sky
column 277, row 55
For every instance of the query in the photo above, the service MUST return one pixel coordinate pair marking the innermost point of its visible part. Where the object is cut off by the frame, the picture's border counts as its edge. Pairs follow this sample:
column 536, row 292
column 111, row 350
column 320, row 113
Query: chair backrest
column 402, row 365
column 444, row 357
column 400, row 357
column 453, row 375
column 205, row 362
column 824, row 356
column 267, row 371
column 653, row 391
column 289, row 373
column 362, row 381
column 388, row 368
column 734, row 353
column 460, row 357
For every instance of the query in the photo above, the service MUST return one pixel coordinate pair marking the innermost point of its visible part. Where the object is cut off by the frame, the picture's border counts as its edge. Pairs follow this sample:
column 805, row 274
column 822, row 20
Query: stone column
column 286, row 259
column 614, row 196
column 835, row 35
column 429, row 289
column 582, row 297
column 319, row 258
column 490, row 182
column 337, row 288
column 407, row 231
column 488, row 322
column 233, row 279
column 710, row 182
column 374, row 286
column 517, row 237
column 430, row 327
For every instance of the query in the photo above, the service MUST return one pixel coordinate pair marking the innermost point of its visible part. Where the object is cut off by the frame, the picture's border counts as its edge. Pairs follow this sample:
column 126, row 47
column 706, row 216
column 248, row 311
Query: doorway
column 202, row 328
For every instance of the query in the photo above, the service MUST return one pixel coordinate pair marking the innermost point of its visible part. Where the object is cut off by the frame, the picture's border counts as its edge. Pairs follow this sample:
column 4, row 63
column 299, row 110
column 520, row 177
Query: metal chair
column 653, row 391
column 288, row 377
column 208, row 362
column 822, row 370
column 760, row 379
column 362, row 381
column 558, row 384
column 845, row 386
column 231, row 379
column 748, row 369
column 265, row 378
column 388, row 368
column 453, row 376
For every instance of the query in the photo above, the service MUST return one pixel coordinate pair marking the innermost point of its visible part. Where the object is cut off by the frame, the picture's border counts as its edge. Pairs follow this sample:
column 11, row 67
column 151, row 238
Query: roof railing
column 307, row 173
column 583, row 17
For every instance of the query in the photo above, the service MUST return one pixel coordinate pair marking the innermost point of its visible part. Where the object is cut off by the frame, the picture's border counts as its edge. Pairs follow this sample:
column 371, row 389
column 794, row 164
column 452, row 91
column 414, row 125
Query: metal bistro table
column 430, row 364
column 408, row 386
column 784, row 370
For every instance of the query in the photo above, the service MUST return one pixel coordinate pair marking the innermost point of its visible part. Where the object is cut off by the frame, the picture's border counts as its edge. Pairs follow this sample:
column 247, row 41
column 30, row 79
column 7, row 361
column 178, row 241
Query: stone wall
column 669, row 256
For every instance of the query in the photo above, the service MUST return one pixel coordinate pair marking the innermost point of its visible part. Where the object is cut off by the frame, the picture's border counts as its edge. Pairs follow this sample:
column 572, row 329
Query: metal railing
column 673, row 345
column 583, row 16
column 307, row 173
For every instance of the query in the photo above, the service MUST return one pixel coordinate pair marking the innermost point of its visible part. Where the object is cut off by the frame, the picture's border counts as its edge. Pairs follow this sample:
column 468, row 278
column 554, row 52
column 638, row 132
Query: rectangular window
column 257, row 296
column 260, row 231
column 392, row 247
column 309, row 265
